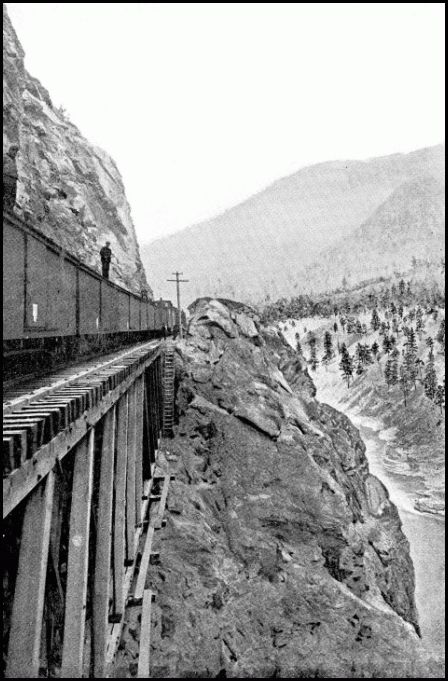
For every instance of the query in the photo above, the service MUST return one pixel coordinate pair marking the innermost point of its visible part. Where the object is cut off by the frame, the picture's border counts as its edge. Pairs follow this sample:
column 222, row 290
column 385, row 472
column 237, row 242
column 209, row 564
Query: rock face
column 275, row 242
column 71, row 190
column 282, row 555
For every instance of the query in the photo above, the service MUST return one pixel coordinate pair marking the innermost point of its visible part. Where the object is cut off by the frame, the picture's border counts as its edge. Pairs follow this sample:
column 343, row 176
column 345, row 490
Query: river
column 425, row 532
column 426, row 535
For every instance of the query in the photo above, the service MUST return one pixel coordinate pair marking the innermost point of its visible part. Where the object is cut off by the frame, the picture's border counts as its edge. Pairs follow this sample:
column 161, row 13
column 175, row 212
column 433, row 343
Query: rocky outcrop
column 71, row 190
column 282, row 556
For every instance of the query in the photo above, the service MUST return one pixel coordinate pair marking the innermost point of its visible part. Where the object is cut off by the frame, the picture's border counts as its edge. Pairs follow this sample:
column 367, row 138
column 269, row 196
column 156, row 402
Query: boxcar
column 61, row 295
column 108, row 320
column 134, row 316
column 13, row 281
column 89, row 303
column 122, row 309
column 55, row 308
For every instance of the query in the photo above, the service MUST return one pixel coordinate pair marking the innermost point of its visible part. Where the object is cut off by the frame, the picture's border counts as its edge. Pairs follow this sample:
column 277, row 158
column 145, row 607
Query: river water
column 425, row 532
column 426, row 535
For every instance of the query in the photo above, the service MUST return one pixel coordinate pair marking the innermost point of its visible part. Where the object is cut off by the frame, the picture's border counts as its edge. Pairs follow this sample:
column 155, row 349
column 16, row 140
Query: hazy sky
column 202, row 105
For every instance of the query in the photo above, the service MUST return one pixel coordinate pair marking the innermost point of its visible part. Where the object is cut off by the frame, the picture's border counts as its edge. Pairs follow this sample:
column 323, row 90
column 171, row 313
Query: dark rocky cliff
column 283, row 556
column 68, row 188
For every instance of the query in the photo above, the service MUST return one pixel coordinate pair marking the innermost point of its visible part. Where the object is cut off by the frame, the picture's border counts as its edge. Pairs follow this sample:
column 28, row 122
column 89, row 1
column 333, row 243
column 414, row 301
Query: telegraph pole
column 179, row 311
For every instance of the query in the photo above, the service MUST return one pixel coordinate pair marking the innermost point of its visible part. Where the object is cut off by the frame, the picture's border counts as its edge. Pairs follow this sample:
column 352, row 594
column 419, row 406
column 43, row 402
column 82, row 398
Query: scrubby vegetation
column 400, row 327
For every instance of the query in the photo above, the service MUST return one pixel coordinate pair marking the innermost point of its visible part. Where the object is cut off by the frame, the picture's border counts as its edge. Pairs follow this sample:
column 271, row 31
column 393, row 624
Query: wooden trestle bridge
column 82, row 499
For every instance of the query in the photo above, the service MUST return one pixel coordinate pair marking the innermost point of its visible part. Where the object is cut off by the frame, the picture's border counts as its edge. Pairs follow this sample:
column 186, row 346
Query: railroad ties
column 109, row 418
column 36, row 418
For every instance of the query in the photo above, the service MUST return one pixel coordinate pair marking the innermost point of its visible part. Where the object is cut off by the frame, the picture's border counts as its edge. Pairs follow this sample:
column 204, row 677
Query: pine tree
column 420, row 322
column 359, row 359
column 391, row 372
column 346, row 364
column 410, row 357
column 439, row 398
column 402, row 287
column 404, row 383
column 375, row 320
column 312, row 342
column 430, row 382
column 387, row 344
column 441, row 336
column 375, row 349
column 430, row 343
column 335, row 327
column 328, row 348
column 368, row 359
column 411, row 342
column 401, row 310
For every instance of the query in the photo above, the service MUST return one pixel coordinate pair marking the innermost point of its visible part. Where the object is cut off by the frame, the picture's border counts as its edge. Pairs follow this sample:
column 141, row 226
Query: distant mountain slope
column 263, row 245
column 409, row 224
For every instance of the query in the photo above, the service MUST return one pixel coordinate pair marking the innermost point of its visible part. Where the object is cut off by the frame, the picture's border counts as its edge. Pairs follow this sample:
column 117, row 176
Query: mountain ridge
column 251, row 250
column 407, row 226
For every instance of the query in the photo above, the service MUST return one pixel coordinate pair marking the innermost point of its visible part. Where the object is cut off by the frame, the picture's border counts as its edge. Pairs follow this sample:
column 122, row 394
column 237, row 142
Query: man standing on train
column 10, row 177
column 106, row 256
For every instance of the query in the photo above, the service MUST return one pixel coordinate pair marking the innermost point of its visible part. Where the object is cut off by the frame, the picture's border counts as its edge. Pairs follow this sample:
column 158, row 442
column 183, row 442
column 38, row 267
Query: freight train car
column 55, row 308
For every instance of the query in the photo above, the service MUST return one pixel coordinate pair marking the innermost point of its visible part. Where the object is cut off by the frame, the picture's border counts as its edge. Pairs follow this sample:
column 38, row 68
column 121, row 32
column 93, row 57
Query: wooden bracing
column 79, row 474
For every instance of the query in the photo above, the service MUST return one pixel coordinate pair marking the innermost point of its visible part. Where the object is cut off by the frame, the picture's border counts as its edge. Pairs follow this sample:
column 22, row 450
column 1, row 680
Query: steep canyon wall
column 68, row 188
column 283, row 556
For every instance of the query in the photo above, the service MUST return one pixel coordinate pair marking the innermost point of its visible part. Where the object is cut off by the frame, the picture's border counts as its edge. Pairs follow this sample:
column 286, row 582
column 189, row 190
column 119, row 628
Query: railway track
column 82, row 492
column 19, row 392
column 35, row 412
